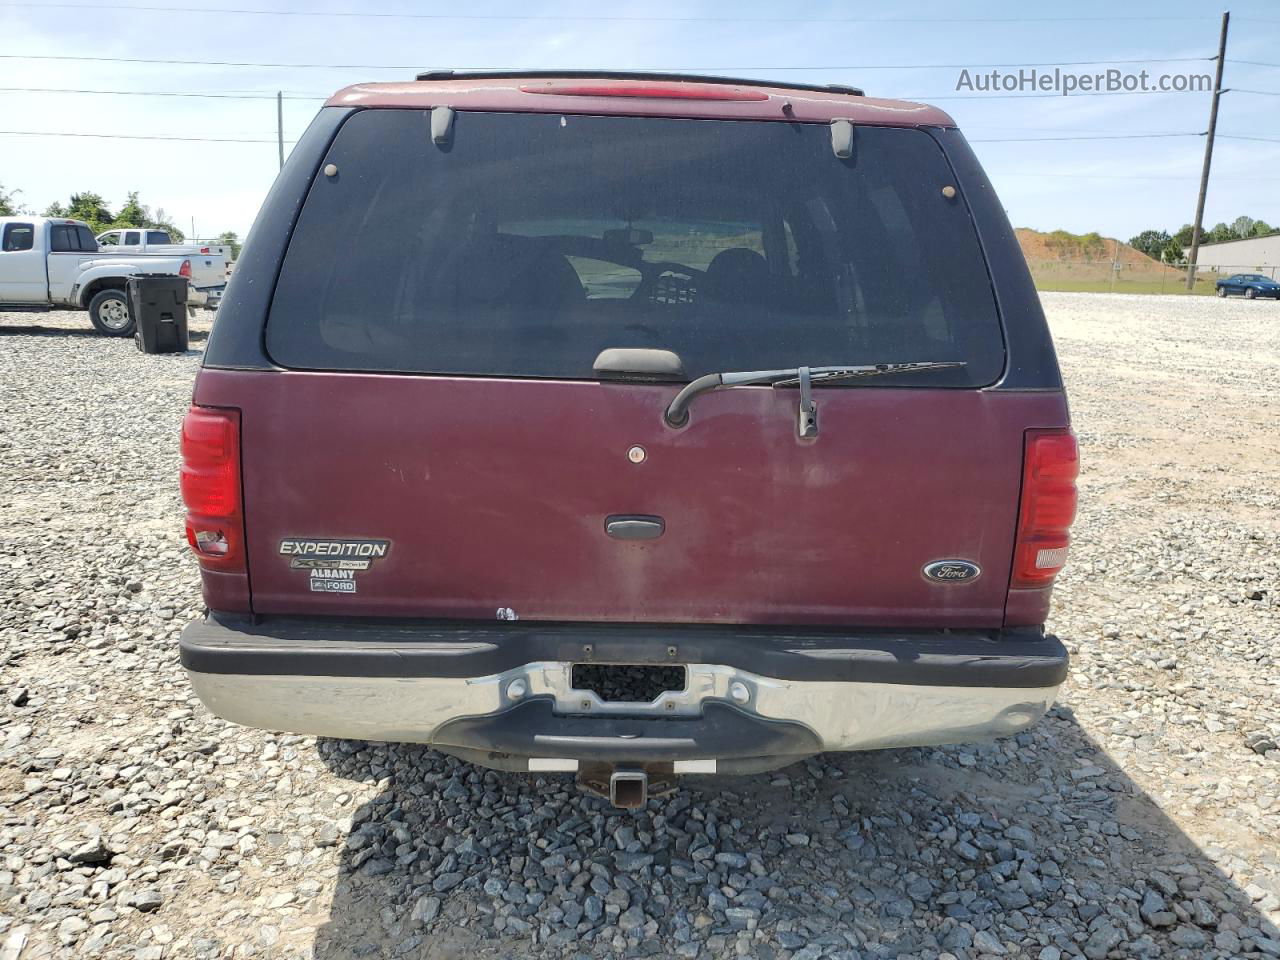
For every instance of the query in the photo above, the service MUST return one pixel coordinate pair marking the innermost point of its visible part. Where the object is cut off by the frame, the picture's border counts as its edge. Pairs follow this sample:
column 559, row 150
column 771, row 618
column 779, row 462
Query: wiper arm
column 677, row 414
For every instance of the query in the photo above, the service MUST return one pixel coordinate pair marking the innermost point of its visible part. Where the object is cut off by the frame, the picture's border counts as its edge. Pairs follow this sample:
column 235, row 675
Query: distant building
column 1253, row 255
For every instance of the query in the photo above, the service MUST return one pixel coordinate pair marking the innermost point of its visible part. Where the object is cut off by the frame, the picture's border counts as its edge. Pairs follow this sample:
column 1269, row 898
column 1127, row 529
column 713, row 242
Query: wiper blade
column 677, row 414
column 826, row 374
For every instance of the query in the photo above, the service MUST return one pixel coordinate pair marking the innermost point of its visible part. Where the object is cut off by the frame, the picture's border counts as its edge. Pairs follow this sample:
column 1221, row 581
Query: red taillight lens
column 204, row 249
column 1050, row 464
column 185, row 269
column 659, row 91
column 211, row 486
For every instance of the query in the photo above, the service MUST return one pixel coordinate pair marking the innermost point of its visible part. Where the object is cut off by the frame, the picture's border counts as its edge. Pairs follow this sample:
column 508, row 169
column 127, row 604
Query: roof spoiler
column 429, row 75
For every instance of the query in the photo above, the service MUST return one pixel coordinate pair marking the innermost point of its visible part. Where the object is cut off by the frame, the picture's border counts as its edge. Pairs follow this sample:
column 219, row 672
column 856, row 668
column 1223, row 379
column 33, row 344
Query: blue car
column 1252, row 285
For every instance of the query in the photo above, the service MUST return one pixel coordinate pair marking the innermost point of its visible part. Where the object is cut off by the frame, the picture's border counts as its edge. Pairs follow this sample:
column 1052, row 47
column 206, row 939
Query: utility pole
column 1198, row 226
column 279, row 117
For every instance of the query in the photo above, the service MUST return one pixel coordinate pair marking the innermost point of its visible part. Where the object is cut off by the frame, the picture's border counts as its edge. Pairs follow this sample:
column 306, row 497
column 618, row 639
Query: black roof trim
column 628, row 75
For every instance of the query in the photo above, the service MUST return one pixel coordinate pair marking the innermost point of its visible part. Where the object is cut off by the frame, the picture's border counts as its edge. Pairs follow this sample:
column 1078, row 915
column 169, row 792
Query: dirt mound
column 1061, row 245
column 1091, row 262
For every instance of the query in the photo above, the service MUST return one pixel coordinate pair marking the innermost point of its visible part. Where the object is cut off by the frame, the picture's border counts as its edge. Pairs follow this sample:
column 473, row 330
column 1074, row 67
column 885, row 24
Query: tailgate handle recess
column 634, row 527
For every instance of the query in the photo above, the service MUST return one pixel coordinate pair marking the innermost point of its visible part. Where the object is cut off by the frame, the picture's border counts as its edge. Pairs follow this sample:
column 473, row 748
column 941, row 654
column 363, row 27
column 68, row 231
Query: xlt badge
column 333, row 564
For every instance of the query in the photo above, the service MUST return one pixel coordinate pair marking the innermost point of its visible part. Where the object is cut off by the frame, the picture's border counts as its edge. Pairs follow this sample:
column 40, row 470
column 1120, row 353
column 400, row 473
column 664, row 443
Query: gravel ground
column 1140, row 819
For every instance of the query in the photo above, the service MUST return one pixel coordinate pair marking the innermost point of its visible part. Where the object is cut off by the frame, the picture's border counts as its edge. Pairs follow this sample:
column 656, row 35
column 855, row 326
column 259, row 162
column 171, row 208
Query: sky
column 911, row 50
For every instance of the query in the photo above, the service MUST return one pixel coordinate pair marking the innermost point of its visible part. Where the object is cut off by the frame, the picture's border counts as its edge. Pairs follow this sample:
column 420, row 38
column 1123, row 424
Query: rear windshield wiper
column 677, row 414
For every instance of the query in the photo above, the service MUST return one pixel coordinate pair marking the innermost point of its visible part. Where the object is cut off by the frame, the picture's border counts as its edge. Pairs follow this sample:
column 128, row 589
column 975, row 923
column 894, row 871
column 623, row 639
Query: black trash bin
column 158, row 302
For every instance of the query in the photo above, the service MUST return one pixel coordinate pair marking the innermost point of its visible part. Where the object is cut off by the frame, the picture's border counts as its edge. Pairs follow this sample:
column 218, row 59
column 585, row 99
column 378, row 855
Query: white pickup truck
column 213, row 257
column 54, row 263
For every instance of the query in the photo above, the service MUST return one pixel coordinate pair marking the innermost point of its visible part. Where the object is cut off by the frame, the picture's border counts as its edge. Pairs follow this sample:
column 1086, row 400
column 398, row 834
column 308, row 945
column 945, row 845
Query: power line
column 1123, row 176
column 980, row 66
column 560, row 17
column 128, row 136
column 214, row 63
column 1109, row 136
column 154, row 93
column 1261, row 93
column 418, row 66
column 1253, row 63
column 1236, row 136
column 1043, row 96
column 977, row 128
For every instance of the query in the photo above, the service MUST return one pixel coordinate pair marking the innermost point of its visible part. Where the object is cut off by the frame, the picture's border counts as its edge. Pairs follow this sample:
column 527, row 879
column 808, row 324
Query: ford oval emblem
column 952, row 571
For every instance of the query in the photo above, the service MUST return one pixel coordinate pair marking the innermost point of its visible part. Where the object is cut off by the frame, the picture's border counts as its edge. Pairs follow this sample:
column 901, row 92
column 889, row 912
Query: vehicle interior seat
column 737, row 275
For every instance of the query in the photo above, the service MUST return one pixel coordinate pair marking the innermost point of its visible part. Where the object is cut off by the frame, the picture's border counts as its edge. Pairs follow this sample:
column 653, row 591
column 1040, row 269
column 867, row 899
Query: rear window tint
column 63, row 239
column 534, row 241
column 70, row 238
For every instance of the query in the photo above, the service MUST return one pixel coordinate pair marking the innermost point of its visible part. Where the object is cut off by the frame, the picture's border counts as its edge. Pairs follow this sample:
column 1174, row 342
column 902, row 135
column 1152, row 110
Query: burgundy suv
column 631, row 425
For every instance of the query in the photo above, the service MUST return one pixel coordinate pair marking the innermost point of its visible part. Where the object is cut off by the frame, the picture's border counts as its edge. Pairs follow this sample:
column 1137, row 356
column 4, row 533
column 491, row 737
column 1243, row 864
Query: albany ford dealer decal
column 333, row 564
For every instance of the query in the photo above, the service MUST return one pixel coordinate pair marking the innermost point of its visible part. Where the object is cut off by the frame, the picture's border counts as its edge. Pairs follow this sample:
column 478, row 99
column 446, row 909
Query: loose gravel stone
column 147, row 901
column 1141, row 818
column 446, row 881
column 425, row 910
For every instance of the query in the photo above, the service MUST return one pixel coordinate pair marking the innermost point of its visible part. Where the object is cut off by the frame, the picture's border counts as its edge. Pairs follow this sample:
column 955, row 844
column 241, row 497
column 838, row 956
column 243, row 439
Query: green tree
column 1261, row 228
column 232, row 240
column 92, row 209
column 1183, row 236
column 1172, row 252
column 1219, row 234
column 8, row 202
column 1243, row 226
column 132, row 214
column 1151, row 242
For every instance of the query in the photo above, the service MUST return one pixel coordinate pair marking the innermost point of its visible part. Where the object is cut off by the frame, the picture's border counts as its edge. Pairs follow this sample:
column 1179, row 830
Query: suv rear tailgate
column 493, row 495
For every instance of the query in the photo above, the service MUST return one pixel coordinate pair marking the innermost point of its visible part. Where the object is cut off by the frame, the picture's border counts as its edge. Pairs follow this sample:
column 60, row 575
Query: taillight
column 658, row 91
column 204, row 250
column 211, row 486
column 1050, row 465
column 185, row 269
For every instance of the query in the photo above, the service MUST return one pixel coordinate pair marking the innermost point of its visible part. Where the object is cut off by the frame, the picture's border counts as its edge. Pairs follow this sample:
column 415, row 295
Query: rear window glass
column 18, row 237
column 70, row 238
column 534, row 241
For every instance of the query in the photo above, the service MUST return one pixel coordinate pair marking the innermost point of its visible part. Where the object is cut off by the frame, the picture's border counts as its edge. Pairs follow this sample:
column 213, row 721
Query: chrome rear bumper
column 808, row 692
column 841, row 716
